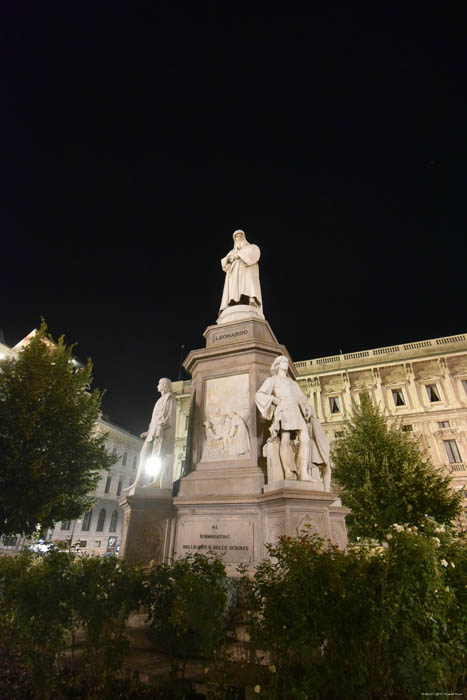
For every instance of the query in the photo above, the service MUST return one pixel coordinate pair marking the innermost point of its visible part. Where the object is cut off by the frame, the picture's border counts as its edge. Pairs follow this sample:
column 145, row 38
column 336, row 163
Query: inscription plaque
column 231, row 538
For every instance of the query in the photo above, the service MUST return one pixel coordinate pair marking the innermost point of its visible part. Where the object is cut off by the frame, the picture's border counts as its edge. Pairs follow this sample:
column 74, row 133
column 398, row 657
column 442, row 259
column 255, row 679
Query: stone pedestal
column 147, row 525
column 223, row 504
column 227, row 459
column 293, row 507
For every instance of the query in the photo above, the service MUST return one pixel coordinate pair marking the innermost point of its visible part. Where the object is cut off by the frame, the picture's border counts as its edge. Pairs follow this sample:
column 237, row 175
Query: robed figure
column 159, row 441
column 241, row 274
column 280, row 400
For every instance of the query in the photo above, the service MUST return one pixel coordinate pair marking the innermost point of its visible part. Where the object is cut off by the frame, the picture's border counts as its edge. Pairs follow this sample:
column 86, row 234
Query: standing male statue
column 159, row 440
column 241, row 274
column 281, row 400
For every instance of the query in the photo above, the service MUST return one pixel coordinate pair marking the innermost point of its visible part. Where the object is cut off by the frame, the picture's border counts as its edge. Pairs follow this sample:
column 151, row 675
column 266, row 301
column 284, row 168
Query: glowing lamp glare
column 153, row 465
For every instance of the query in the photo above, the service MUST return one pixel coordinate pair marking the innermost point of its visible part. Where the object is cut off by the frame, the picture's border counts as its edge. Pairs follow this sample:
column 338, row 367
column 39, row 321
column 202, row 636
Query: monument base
column 147, row 526
column 238, row 528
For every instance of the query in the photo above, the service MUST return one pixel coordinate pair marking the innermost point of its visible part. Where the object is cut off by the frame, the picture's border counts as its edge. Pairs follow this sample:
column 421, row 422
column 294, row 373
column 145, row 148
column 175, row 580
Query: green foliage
column 386, row 477
column 50, row 455
column 46, row 600
column 372, row 622
column 186, row 601
column 35, row 610
column 106, row 591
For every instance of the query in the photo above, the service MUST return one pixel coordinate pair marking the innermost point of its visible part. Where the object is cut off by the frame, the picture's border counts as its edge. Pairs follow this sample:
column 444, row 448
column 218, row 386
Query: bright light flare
column 152, row 466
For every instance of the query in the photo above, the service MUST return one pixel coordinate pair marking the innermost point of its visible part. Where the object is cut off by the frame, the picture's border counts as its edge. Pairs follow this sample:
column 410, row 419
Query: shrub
column 372, row 622
column 186, row 601
column 45, row 599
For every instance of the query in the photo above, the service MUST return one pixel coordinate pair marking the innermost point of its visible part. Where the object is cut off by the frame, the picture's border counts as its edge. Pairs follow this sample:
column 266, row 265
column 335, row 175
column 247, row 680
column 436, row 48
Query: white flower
column 437, row 541
column 389, row 536
column 257, row 688
column 453, row 565
column 443, row 562
column 272, row 668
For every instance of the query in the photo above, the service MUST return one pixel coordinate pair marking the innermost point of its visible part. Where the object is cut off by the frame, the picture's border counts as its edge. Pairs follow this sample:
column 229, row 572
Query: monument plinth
column 147, row 526
column 226, row 429
column 257, row 460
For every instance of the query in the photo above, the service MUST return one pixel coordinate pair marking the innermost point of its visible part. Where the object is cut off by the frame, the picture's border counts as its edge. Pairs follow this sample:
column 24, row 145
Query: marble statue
column 241, row 274
column 280, row 400
column 159, row 440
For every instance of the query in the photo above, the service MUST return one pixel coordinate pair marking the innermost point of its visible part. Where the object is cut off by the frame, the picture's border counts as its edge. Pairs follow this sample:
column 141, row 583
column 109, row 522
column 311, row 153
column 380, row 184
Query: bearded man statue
column 241, row 274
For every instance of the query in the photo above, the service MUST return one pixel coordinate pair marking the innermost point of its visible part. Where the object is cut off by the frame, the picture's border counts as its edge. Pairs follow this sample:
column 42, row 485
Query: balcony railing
column 459, row 467
column 377, row 352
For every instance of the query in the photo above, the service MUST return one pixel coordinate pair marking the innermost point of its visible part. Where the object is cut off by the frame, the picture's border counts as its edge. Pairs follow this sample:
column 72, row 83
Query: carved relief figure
column 239, row 437
column 226, row 436
column 241, row 274
column 280, row 400
column 159, row 439
column 213, row 444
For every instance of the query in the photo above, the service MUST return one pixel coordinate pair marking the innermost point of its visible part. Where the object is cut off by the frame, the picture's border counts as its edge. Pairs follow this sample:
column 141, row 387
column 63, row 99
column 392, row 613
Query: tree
column 50, row 454
column 387, row 477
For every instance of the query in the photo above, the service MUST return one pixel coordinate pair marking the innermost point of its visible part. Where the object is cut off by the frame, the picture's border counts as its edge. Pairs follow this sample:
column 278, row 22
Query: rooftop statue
column 241, row 274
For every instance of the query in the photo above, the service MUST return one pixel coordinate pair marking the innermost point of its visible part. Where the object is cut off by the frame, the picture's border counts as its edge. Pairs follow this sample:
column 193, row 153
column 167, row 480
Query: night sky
column 137, row 136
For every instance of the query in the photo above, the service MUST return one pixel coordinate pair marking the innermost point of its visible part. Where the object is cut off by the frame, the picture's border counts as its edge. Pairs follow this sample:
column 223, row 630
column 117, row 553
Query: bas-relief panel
column 226, row 414
column 332, row 383
column 310, row 522
column 393, row 375
column 361, row 380
column 457, row 365
column 426, row 370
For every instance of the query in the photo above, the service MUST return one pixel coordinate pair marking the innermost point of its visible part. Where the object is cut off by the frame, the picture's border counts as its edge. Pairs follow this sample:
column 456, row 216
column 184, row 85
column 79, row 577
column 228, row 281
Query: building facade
column 99, row 530
column 420, row 385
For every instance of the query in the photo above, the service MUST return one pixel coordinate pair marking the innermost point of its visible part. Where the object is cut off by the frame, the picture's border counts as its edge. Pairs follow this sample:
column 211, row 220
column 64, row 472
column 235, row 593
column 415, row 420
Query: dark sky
column 137, row 136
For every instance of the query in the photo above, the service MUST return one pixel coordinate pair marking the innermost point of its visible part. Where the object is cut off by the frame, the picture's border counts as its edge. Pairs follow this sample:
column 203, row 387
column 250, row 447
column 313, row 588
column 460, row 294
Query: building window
column 97, row 543
column 187, row 422
column 119, row 487
column 334, row 404
column 464, row 384
column 452, row 451
column 114, row 452
column 87, row 521
column 443, row 424
column 113, row 521
column 124, row 458
column 338, row 434
column 407, row 428
column 83, row 543
column 398, row 397
column 107, row 484
column 101, row 520
column 135, row 461
column 433, row 393
column 66, row 524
